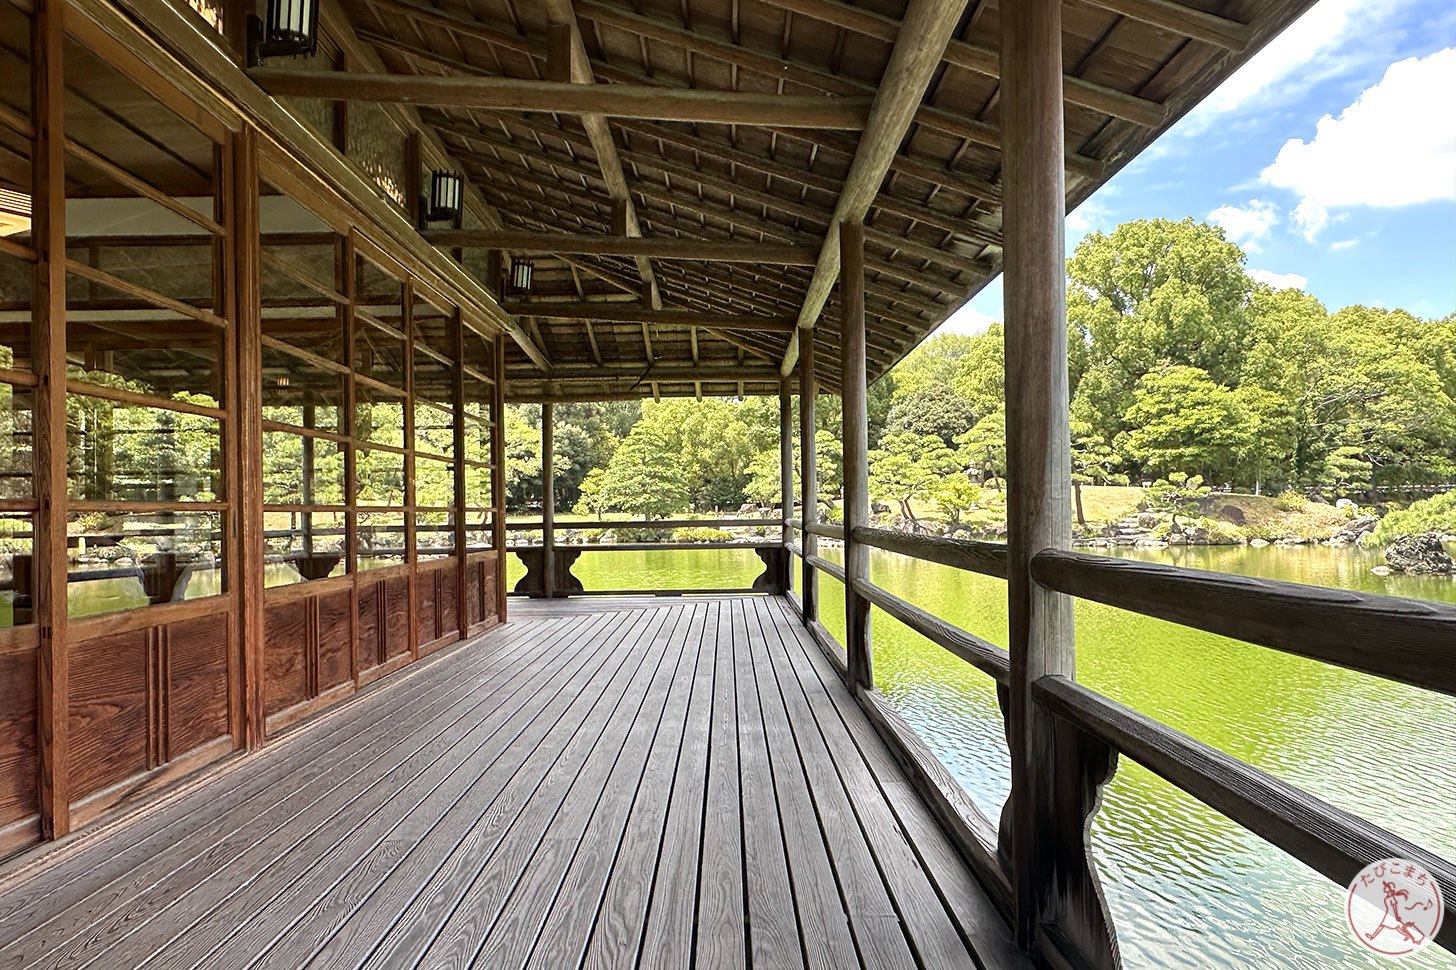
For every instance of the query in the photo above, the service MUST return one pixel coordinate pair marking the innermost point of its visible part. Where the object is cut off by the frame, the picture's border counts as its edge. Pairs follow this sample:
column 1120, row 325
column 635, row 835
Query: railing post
column 786, row 475
column 808, row 481
column 1055, row 776
column 858, row 654
column 548, row 501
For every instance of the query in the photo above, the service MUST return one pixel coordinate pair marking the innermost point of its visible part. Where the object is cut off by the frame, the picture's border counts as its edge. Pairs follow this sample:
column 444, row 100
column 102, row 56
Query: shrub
column 701, row 534
column 1434, row 514
column 1290, row 501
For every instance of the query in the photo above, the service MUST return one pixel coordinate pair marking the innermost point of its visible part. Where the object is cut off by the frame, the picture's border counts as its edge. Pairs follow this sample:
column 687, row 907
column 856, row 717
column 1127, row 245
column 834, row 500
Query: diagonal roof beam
column 927, row 28
column 561, row 12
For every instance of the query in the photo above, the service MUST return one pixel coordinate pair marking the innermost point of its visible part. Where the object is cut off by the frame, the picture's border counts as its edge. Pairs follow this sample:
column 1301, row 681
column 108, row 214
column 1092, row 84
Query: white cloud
column 1393, row 147
column 1340, row 244
column 967, row 320
column 1246, row 225
column 1279, row 281
column 1330, row 38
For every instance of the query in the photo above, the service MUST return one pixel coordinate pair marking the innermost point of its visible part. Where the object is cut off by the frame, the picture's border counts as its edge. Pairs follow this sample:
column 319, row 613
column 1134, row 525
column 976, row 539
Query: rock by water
column 1420, row 554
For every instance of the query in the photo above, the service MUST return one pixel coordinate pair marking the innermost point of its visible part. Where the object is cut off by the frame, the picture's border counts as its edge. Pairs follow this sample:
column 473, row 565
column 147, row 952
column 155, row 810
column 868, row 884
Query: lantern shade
column 521, row 275
column 446, row 189
column 14, row 212
column 289, row 29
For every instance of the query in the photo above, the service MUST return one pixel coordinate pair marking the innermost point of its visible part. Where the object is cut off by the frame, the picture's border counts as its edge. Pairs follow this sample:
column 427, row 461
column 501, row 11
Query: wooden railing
column 1409, row 641
column 562, row 556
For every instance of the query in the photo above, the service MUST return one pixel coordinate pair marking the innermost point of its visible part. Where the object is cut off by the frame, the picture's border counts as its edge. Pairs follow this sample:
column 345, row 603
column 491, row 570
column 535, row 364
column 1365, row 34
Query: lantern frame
column 289, row 28
column 446, row 198
column 521, row 270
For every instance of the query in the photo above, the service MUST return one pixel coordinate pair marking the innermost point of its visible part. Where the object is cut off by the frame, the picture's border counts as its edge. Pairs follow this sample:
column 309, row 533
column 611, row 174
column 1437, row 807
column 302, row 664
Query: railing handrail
column 559, row 526
column 651, row 546
column 974, row 555
column 1407, row 640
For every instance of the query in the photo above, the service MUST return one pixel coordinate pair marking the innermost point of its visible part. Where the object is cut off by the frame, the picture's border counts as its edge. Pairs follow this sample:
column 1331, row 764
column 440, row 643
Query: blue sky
column 1330, row 157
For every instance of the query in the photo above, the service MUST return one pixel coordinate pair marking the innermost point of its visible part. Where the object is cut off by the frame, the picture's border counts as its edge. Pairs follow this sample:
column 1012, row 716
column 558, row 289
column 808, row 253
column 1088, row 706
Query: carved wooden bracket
column 532, row 583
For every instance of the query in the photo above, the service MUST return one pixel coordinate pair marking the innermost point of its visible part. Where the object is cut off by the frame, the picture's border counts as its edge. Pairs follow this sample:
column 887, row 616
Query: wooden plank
column 773, row 931
column 613, row 101
column 721, row 904
column 859, row 653
column 944, row 863
column 305, row 778
column 665, row 316
column 927, row 27
column 305, row 909
column 987, row 558
column 601, row 907
column 457, row 908
column 1401, row 639
column 824, row 924
column 1180, row 18
column 656, row 247
column 576, row 852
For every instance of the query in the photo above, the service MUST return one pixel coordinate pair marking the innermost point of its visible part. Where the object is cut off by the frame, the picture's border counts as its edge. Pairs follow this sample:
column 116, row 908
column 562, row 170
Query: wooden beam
column 1056, row 772
column 808, row 486
column 562, row 15
column 981, row 60
column 660, row 247
column 548, row 500
column 607, row 100
column 927, row 28
column 859, row 654
column 649, row 373
column 668, row 316
column 786, row 473
column 1182, row 19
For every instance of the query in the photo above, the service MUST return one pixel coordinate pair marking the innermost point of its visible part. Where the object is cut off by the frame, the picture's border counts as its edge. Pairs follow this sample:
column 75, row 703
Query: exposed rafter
column 583, row 244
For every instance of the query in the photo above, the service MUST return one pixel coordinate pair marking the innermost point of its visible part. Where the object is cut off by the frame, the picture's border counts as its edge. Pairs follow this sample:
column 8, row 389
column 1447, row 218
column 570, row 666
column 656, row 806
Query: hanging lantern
column 520, row 275
column 290, row 29
column 445, row 191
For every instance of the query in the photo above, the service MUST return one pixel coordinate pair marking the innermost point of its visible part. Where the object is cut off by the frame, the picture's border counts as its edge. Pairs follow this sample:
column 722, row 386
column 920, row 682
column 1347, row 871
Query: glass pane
column 434, row 535
column 379, row 354
column 381, row 539
column 434, row 429
column 477, row 530
column 477, row 486
column 378, row 416
column 126, row 560
column 300, row 470
column 303, row 546
column 179, row 267
column 299, row 393
column 17, row 533
column 17, row 277
column 17, row 456
column 379, row 478
column 132, row 452
column 149, row 352
column 434, row 483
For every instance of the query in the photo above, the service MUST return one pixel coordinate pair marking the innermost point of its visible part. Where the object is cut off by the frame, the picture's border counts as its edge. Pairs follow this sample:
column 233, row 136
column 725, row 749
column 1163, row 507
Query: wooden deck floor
column 672, row 783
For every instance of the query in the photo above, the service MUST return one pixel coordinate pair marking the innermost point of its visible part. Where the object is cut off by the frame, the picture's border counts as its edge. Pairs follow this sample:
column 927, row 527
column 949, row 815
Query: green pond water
column 1187, row 888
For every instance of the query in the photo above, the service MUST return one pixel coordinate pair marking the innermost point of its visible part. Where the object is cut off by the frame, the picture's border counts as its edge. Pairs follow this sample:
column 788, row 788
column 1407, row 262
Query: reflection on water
column 1187, row 887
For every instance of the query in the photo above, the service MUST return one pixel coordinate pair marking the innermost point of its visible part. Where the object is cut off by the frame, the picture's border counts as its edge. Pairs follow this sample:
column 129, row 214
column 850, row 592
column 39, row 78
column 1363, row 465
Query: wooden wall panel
column 447, row 596
column 285, row 642
column 109, row 718
column 474, row 591
column 369, row 647
column 19, row 749
column 489, row 569
column 198, row 707
column 334, row 662
column 396, row 617
column 427, row 596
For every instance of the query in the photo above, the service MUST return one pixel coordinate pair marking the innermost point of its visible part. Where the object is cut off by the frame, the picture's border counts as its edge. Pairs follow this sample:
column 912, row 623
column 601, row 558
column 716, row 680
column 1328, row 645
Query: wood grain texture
column 19, row 744
column 987, row 558
column 109, row 710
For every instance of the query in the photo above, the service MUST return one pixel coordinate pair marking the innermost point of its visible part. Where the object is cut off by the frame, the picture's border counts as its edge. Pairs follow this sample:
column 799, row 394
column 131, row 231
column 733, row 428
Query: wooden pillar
column 457, row 390
column 1054, row 772
column 49, row 315
column 498, row 472
column 786, row 470
column 248, row 499
column 856, row 451
column 808, row 482
column 548, row 501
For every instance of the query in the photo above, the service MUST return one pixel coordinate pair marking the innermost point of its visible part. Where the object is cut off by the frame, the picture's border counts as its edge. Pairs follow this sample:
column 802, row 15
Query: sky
column 1330, row 157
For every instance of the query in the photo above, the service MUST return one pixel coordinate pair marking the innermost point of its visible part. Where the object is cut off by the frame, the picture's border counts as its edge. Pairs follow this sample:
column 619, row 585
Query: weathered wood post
column 808, row 483
column 548, row 501
column 1055, row 775
column 856, row 451
column 498, row 471
column 786, row 474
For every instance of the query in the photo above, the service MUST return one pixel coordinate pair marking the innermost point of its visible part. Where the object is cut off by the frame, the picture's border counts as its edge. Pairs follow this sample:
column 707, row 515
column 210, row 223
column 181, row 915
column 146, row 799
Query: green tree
column 591, row 492
column 1094, row 462
column 1179, row 494
column 907, row 468
column 646, row 476
column 934, row 409
column 984, row 447
column 1181, row 420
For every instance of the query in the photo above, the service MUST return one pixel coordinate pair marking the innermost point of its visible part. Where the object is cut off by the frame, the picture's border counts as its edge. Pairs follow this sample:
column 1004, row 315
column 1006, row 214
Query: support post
column 1055, row 773
column 808, row 484
column 858, row 655
column 786, row 471
column 548, row 501
column 498, row 472
column 50, row 556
